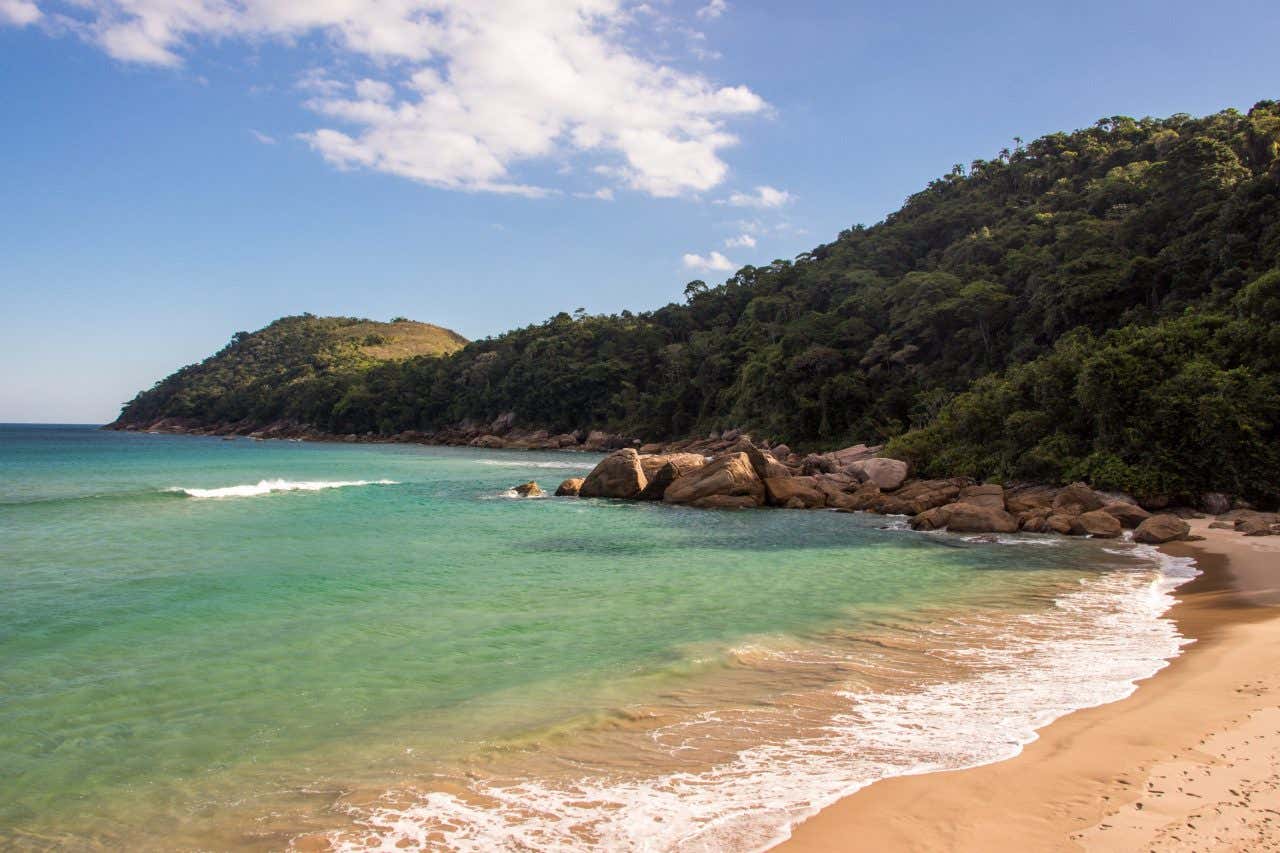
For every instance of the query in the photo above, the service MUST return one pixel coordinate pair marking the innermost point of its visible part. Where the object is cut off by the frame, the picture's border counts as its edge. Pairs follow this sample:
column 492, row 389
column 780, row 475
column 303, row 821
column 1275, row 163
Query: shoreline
column 1164, row 768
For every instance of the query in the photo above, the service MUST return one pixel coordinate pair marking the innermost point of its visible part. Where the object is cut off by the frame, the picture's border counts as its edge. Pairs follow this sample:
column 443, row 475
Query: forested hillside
column 1103, row 304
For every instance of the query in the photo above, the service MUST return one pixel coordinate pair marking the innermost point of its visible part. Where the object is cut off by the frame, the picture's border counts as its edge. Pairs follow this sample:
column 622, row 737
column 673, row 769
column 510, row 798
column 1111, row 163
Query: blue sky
column 175, row 171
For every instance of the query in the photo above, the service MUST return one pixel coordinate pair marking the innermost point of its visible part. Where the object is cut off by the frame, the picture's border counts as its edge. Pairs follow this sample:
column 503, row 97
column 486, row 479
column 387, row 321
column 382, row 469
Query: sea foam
column 1091, row 647
column 266, row 487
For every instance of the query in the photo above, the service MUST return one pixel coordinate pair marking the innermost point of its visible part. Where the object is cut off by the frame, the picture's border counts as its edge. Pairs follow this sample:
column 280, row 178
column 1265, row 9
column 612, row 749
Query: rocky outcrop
column 888, row 474
column 1215, row 503
column 661, row 470
column 917, row 496
column 1161, row 528
column 570, row 487
column 488, row 442
column 529, row 490
column 794, row 492
column 988, row 495
column 618, row 475
column 1077, row 499
column 729, row 476
column 1257, row 523
column 1029, row 498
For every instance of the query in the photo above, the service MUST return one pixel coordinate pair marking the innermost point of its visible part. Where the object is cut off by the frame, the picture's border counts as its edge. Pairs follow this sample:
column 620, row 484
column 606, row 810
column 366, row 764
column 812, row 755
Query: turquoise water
column 239, row 670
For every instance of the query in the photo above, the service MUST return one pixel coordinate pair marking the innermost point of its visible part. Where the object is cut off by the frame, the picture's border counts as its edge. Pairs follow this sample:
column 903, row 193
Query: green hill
column 288, row 362
column 1103, row 304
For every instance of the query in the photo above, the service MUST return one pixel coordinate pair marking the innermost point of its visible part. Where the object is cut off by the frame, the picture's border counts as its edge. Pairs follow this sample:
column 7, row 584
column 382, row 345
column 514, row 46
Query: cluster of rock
column 1249, row 522
column 742, row 475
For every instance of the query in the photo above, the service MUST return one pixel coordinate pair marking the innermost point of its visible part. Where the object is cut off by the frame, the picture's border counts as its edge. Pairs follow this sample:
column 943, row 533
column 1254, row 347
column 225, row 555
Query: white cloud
column 262, row 137
column 712, row 262
column 19, row 13
column 713, row 10
column 473, row 90
column 763, row 197
column 742, row 241
column 603, row 194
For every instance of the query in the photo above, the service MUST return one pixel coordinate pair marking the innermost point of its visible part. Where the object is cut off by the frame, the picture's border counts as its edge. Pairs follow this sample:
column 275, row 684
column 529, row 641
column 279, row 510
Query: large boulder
column 817, row 463
column 570, row 488
column 1077, row 499
column 1215, row 503
column 988, row 495
column 1100, row 524
column 917, row 496
column 1161, row 528
column 731, row 475
column 619, row 475
column 857, row 453
column 1129, row 515
column 974, row 518
column 783, row 491
column 1027, row 498
column 663, row 470
column 489, row 442
column 888, row 474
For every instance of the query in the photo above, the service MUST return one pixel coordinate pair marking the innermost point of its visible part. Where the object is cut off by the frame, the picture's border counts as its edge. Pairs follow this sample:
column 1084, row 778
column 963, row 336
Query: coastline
column 1164, row 768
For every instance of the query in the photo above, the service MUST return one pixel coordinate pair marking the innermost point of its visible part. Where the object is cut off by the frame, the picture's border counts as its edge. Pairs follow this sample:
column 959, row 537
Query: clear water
column 238, row 644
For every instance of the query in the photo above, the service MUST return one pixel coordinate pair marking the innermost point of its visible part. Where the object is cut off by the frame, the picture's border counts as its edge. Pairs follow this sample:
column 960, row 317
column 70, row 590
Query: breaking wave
column 266, row 487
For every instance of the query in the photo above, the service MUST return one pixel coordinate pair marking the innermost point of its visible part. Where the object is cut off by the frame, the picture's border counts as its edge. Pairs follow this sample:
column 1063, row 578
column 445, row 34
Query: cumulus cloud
column 742, row 241
column 763, row 197
column 469, row 91
column 713, row 10
column 265, row 139
column 19, row 13
column 712, row 262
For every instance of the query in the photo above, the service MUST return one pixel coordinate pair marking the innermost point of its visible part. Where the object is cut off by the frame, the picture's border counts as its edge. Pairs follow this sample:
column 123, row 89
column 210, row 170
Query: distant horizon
column 249, row 166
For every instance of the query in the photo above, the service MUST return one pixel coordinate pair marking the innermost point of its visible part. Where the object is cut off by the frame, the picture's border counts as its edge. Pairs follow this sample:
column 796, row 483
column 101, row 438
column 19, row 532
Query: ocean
column 210, row 644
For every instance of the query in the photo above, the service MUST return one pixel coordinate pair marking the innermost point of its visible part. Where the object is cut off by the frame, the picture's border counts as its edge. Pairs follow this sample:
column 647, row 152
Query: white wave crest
column 1092, row 647
column 266, row 487
column 516, row 463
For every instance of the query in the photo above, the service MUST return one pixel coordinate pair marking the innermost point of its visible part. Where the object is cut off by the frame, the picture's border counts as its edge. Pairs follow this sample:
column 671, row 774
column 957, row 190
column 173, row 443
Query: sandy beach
column 1190, row 761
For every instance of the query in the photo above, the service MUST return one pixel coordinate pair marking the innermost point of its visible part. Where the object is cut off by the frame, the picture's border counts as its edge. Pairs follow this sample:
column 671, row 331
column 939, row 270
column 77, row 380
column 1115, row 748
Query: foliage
column 1101, row 304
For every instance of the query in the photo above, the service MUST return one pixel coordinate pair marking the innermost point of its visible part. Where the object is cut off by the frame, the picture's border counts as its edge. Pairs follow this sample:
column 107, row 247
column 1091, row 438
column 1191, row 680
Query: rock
column 816, row 463
column 651, row 447
column 730, row 434
column 782, row 491
column 762, row 461
column 972, row 518
column 502, row 423
column 916, row 496
column 1221, row 525
column 1101, row 524
column 931, row 519
column 1184, row 512
column 570, row 488
column 1161, row 528
column 780, row 451
column 857, row 453
column 1154, row 503
column 795, row 503
column 725, row 502
column 491, row 442
column 1129, row 515
column 671, row 467
column 1215, row 503
column 1077, row 499
column 529, row 490
column 564, row 439
column 1033, row 520
column 1058, row 524
column 989, row 495
column 727, row 476
column 888, row 474
column 1255, row 524
column 1026, row 498
column 860, row 499
column 618, row 475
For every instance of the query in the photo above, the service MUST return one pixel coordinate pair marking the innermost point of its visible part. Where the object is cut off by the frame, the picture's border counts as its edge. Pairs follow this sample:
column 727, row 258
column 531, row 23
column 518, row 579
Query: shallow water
column 218, row 644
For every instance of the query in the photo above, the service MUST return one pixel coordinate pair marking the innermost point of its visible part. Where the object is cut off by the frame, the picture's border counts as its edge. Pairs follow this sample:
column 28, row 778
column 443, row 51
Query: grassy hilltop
column 1102, row 304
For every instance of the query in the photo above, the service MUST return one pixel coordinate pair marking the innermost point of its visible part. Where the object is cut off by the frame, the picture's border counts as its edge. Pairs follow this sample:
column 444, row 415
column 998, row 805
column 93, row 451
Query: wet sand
column 1190, row 761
